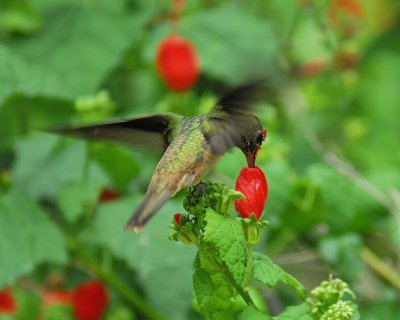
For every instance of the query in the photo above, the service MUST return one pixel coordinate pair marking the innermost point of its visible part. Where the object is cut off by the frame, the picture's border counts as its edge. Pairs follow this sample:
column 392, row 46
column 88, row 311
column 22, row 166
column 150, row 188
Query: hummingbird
column 192, row 145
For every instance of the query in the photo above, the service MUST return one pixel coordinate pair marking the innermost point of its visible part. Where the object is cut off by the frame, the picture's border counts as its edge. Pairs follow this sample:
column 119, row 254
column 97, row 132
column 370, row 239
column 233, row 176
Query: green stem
column 242, row 292
column 381, row 267
column 127, row 293
column 249, row 266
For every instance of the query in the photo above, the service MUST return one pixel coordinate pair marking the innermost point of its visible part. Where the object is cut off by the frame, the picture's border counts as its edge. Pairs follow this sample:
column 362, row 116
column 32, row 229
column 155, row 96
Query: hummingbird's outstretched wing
column 151, row 131
column 242, row 98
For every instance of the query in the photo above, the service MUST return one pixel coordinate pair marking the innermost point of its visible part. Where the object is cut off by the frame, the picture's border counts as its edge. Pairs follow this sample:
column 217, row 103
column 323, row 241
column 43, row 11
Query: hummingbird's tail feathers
column 151, row 203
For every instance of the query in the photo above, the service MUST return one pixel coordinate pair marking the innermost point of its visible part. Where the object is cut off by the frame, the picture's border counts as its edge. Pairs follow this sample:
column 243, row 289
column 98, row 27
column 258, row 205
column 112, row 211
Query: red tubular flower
column 177, row 63
column 8, row 305
column 253, row 184
column 90, row 300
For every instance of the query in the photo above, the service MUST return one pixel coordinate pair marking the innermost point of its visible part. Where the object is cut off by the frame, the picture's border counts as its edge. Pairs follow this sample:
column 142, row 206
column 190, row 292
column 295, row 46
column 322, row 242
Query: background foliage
column 332, row 156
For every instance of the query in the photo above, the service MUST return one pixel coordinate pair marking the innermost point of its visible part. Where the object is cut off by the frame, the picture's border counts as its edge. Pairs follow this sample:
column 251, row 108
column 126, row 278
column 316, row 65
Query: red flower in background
column 8, row 305
column 56, row 297
column 311, row 68
column 90, row 300
column 349, row 7
column 177, row 63
column 253, row 184
column 108, row 195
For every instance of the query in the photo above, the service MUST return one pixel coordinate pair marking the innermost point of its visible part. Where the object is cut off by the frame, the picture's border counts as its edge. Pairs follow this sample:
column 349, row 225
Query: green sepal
column 186, row 231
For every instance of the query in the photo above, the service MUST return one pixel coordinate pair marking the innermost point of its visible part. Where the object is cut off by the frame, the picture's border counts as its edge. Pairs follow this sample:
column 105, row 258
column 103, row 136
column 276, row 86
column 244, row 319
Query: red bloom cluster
column 253, row 184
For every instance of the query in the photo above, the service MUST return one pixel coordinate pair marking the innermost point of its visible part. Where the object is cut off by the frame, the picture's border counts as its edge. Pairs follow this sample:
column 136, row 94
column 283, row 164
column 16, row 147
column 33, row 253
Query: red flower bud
column 8, row 304
column 90, row 300
column 177, row 63
column 177, row 218
column 253, row 184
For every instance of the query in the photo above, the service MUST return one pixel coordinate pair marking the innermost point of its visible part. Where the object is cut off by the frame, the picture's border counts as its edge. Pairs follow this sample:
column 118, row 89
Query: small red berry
column 177, row 63
column 253, row 184
column 8, row 305
column 90, row 300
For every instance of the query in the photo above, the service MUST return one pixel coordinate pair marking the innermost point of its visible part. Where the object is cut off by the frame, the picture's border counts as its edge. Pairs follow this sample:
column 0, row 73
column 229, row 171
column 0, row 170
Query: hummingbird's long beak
column 251, row 158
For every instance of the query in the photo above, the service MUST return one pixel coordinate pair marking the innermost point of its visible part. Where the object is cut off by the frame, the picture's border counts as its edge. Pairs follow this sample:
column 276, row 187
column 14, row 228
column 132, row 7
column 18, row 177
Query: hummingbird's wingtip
column 129, row 227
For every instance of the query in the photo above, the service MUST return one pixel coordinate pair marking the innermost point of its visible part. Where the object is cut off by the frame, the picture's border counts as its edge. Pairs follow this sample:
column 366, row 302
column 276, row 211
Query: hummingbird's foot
column 201, row 186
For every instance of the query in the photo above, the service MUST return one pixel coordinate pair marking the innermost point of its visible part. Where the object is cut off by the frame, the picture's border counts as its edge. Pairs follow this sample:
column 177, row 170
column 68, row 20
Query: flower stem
column 249, row 266
column 119, row 286
column 242, row 292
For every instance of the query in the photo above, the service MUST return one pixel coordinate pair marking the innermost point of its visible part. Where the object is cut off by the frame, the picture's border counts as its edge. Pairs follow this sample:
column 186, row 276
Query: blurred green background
column 332, row 156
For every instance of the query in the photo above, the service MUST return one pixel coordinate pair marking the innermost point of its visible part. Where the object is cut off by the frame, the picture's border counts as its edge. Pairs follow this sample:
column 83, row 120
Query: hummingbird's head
column 252, row 137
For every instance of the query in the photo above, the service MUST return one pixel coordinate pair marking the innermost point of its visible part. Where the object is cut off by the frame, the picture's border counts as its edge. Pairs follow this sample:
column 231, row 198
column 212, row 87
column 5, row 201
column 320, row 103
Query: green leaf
column 29, row 304
column 267, row 272
column 279, row 180
column 213, row 292
column 224, row 236
column 42, row 169
column 160, row 263
column 352, row 208
column 20, row 77
column 27, row 237
column 300, row 312
column 221, row 28
column 251, row 313
column 77, row 197
column 80, row 44
column 18, row 17
column 344, row 253
column 108, row 156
